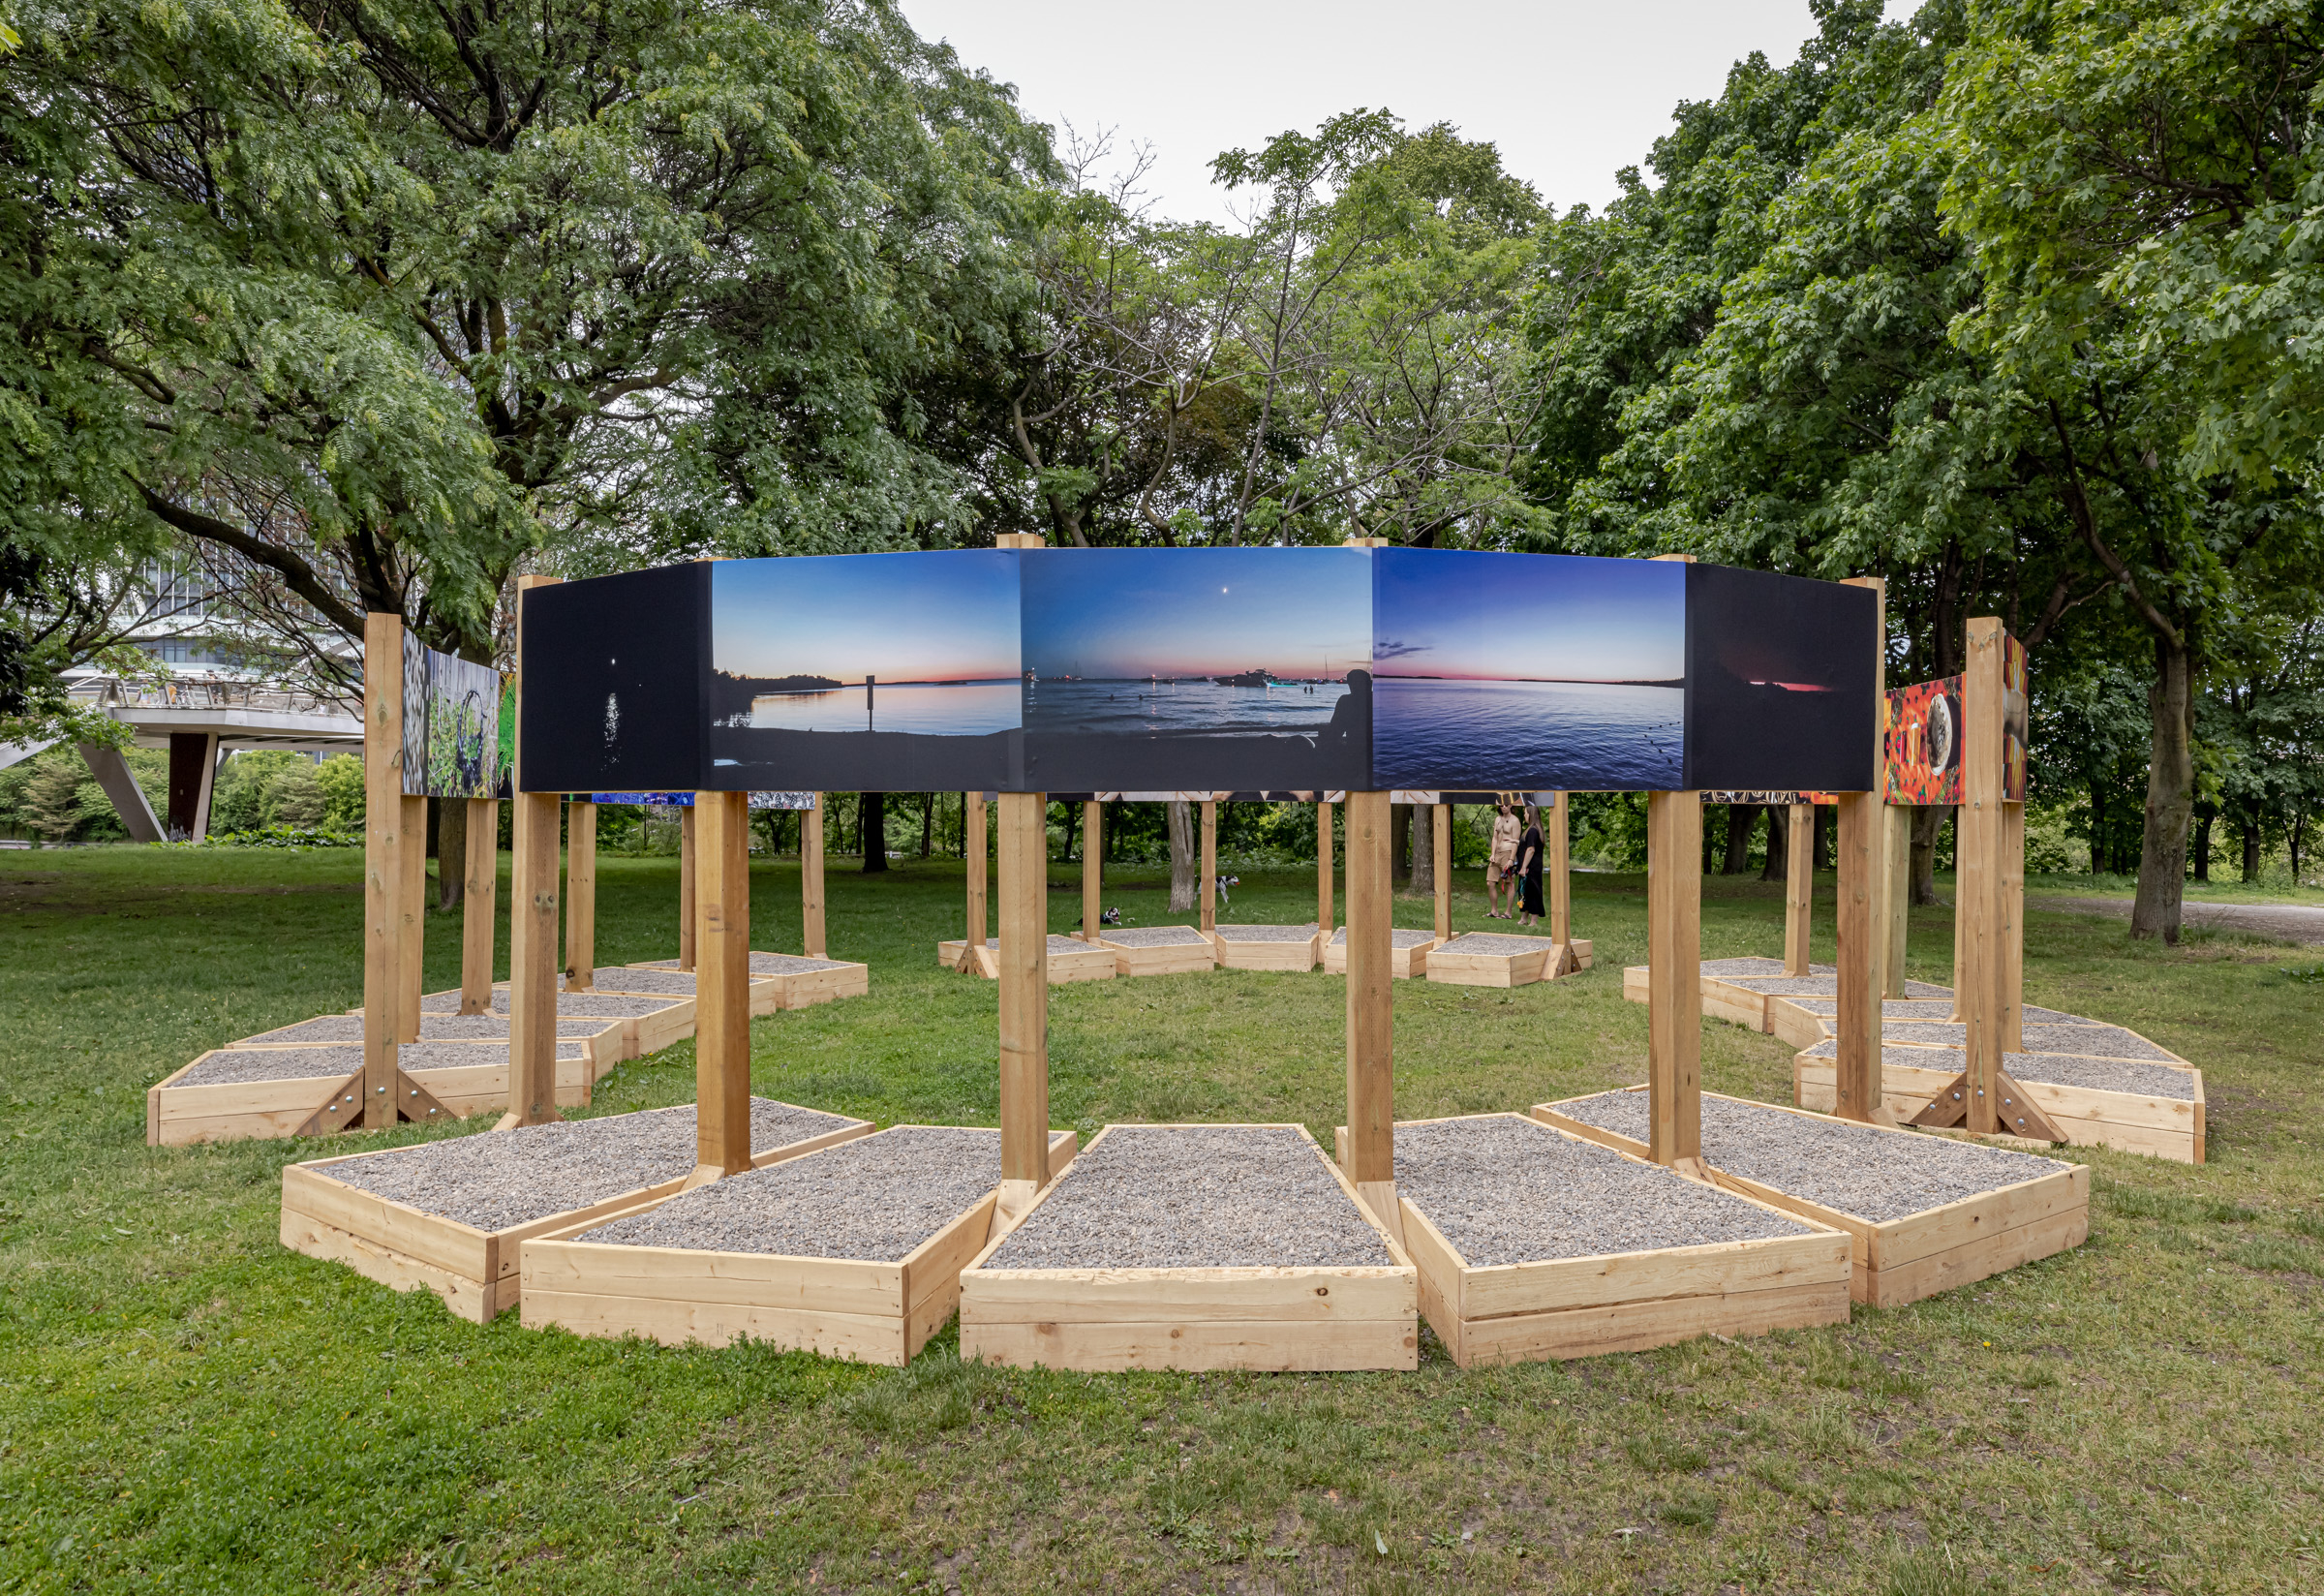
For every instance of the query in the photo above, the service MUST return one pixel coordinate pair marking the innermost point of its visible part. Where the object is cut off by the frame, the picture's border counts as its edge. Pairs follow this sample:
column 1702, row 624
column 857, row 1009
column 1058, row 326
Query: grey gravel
column 607, row 1005
column 1936, row 1010
column 2055, row 1069
column 1056, row 944
column 1492, row 941
column 1152, row 936
column 1823, row 986
column 229, row 1065
column 767, row 964
column 1504, row 1189
column 1875, row 1175
column 873, row 1199
column 1731, row 969
column 503, row 1177
column 1196, row 1197
column 1395, row 939
column 1266, row 933
column 2091, row 1041
column 433, row 1028
column 677, row 983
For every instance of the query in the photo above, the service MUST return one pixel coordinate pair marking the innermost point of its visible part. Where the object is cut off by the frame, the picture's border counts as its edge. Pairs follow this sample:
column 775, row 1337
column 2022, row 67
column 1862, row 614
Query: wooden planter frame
column 1547, row 963
column 2128, row 1121
column 1270, row 1319
column 840, row 1308
column 1065, row 967
column 1899, row 1261
column 1235, row 954
column 228, row 1111
column 476, row 1271
column 1721, row 1000
column 1169, row 959
column 1405, row 964
column 775, row 991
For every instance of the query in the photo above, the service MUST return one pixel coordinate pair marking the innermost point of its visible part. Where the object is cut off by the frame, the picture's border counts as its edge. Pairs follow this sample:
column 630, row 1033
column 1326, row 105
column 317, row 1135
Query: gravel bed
column 873, row 1199
column 765, row 964
column 677, row 983
column 2054, row 1069
column 1137, row 936
column 433, row 1028
column 601, row 1006
column 1503, row 1190
column 231, row 1065
column 1824, row 986
column 2055, row 1017
column 1875, row 1175
column 1267, row 934
column 1196, row 1197
column 505, row 1177
column 1494, row 942
column 1933, row 1010
column 1735, row 970
column 1056, row 944
column 2094, row 1040
column 1395, row 939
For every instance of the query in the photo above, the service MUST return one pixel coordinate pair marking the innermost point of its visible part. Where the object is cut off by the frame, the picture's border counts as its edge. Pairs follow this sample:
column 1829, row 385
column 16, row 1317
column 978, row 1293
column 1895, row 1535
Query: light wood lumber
column 1093, row 817
column 1559, row 864
column 412, row 913
column 1325, row 850
column 1978, row 873
column 1897, row 903
column 1800, row 887
column 1675, row 957
column 688, row 915
column 1370, row 1015
column 580, row 894
column 972, row 845
column 722, row 986
column 384, row 1030
column 1209, row 919
column 1024, row 988
column 811, row 878
column 478, row 910
column 533, row 958
column 1860, row 981
column 1440, row 835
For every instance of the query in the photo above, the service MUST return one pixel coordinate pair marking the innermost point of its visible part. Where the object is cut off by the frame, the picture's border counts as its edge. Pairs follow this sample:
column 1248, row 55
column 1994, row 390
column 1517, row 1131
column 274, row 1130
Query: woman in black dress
column 1529, row 864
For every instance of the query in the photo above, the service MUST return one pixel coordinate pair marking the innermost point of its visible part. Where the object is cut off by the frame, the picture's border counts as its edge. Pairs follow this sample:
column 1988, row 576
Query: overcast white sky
column 1571, row 90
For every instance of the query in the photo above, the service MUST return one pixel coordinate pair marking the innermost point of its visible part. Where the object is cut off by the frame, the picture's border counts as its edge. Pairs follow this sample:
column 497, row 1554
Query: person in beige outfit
column 1500, row 861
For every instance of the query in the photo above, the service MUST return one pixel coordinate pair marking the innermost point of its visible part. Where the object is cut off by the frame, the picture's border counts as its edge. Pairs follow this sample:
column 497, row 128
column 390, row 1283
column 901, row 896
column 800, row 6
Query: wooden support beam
column 721, row 987
column 478, row 904
column 1325, row 851
column 1800, row 887
column 1874, row 863
column 1024, row 998
column 411, row 913
column 811, row 878
column 1440, row 832
column 972, row 844
column 533, row 960
column 385, row 1028
column 1209, row 920
column 1896, row 872
column 1675, row 972
column 688, row 915
column 580, row 896
column 1371, row 1149
column 1094, row 854
column 1859, row 1021
column 2010, row 978
column 1559, row 865
column 1978, row 872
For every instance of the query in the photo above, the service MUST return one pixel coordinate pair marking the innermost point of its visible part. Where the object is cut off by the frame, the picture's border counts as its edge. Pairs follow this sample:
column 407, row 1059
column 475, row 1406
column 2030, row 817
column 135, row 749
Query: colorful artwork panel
column 452, row 725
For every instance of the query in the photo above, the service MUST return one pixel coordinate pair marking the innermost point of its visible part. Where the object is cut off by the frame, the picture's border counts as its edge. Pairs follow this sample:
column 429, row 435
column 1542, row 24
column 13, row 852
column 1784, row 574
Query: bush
column 341, row 778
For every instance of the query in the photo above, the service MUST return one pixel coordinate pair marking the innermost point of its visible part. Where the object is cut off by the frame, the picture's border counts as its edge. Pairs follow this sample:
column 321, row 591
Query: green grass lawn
column 186, row 1406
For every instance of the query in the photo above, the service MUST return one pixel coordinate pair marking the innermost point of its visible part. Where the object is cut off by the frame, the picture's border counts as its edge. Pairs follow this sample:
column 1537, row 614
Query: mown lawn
column 185, row 1407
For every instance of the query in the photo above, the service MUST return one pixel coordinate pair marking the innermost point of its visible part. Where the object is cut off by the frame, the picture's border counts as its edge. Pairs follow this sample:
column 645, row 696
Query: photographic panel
column 1780, row 682
column 614, row 667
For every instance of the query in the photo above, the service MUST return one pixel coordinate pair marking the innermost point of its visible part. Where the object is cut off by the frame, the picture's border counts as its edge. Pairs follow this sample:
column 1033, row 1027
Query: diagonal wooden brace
column 2013, row 1110
column 345, row 1107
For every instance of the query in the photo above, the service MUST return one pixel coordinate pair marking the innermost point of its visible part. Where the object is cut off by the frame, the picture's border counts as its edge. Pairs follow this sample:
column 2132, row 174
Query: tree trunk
column 1928, row 824
column 1822, row 854
column 1073, row 815
column 1423, row 850
column 1779, row 848
column 2203, row 819
column 452, row 844
column 1740, row 817
column 1399, row 845
column 2170, row 795
column 928, row 822
column 2251, row 848
column 1186, row 869
column 871, row 829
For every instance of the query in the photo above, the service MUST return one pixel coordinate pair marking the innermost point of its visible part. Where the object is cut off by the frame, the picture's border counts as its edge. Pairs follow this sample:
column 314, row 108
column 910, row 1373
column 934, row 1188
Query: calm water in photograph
column 1576, row 735
column 949, row 709
column 1179, row 709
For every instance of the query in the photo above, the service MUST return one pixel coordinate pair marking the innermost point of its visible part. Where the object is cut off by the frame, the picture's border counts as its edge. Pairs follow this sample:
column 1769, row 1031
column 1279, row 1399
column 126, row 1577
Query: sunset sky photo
column 903, row 618
column 1125, row 613
column 1528, row 617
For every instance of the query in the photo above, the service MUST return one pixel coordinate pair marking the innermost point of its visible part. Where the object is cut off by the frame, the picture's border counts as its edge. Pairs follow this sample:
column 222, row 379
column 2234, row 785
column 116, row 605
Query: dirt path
column 2287, row 922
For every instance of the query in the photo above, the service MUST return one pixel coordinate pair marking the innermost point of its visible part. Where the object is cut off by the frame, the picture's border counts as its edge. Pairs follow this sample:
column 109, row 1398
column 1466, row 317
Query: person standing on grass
column 1499, row 861
column 1529, row 866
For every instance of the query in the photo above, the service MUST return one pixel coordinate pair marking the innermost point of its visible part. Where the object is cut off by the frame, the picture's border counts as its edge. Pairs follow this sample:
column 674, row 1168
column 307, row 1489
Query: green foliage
column 53, row 795
column 341, row 779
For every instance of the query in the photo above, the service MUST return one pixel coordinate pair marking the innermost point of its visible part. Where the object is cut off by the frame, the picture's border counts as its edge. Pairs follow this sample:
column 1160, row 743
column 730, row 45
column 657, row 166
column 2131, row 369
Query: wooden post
column 1209, row 864
column 580, row 896
column 972, row 844
column 721, row 987
column 1799, row 888
column 2010, row 998
column 1559, row 863
column 1859, row 1022
column 1441, row 834
column 1897, row 872
column 1325, row 848
column 811, row 878
column 477, row 905
column 1024, row 967
column 686, row 889
column 1674, row 975
column 532, row 958
column 1371, row 1019
column 383, row 846
column 1093, row 853
column 411, row 913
